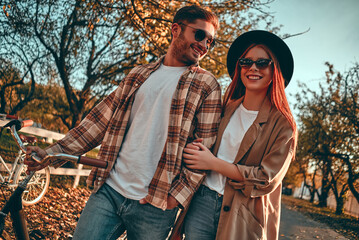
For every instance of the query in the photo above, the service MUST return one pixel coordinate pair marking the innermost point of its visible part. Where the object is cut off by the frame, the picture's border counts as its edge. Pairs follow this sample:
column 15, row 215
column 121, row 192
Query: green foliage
column 8, row 148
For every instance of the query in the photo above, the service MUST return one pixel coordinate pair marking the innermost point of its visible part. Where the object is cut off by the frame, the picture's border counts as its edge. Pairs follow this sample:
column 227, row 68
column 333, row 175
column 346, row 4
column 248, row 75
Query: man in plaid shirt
column 143, row 127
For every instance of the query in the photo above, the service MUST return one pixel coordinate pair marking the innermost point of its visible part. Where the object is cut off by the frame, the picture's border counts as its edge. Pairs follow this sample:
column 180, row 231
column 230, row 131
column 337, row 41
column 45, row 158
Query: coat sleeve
column 205, row 126
column 265, row 178
column 90, row 132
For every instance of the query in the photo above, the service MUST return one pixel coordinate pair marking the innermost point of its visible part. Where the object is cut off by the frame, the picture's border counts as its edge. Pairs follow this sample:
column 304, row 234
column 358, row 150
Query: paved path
column 295, row 225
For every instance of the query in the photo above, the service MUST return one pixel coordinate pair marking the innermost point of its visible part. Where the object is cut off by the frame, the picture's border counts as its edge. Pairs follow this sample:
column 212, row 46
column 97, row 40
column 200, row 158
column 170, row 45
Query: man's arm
column 90, row 132
column 207, row 122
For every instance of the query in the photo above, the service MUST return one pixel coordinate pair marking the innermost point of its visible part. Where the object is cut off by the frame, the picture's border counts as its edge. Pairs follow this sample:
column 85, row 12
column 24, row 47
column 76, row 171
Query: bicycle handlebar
column 27, row 123
column 53, row 158
column 57, row 157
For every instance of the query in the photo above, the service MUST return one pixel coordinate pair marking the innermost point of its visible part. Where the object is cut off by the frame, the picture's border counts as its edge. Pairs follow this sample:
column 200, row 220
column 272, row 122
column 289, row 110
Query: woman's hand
column 198, row 156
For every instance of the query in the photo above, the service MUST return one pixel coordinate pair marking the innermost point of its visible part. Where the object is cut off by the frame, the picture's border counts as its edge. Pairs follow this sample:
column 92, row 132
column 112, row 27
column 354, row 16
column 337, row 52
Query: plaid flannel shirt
column 195, row 113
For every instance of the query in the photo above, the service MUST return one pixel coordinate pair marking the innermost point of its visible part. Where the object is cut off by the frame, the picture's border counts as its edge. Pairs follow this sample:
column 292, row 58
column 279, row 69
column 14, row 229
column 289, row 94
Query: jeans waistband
column 204, row 190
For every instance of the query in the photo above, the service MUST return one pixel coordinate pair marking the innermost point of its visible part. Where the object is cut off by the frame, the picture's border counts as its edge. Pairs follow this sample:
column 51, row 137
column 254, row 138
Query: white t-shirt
column 146, row 134
column 232, row 137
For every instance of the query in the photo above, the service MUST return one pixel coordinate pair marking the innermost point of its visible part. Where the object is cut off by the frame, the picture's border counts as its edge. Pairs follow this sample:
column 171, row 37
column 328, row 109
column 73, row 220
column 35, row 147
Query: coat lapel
column 254, row 130
column 252, row 133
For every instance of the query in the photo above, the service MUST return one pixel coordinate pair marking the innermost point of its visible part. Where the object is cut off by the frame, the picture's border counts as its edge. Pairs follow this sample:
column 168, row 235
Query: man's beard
column 180, row 48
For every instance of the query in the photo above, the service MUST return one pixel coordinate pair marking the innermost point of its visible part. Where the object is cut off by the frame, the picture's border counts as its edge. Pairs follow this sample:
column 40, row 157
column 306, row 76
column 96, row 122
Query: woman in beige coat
column 240, row 196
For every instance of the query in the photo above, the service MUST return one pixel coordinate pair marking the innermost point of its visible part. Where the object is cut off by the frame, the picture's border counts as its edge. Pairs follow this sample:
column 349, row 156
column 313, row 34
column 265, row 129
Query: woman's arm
column 197, row 156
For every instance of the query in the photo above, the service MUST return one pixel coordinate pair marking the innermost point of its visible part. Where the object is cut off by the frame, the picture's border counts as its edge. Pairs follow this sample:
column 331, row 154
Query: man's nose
column 204, row 44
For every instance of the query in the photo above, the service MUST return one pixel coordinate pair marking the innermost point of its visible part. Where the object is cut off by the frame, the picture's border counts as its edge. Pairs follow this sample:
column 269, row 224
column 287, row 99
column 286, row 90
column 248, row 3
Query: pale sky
column 333, row 36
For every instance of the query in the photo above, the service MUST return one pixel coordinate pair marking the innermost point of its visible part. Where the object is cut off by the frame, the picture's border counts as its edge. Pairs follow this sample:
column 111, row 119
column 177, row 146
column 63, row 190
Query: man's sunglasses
column 201, row 34
column 260, row 63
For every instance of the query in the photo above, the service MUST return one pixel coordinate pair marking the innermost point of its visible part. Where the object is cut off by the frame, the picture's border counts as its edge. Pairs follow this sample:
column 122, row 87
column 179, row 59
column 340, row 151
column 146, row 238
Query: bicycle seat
column 28, row 139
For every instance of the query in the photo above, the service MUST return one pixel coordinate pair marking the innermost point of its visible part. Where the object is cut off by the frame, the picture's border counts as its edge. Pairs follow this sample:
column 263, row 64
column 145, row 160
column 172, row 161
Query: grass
column 346, row 225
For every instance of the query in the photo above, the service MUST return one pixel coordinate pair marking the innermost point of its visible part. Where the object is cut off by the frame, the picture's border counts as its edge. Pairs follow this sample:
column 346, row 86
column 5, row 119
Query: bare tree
column 91, row 45
column 329, row 127
column 14, row 94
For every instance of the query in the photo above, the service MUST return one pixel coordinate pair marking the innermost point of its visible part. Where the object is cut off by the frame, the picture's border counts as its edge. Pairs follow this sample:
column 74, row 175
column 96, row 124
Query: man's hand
column 171, row 202
column 31, row 164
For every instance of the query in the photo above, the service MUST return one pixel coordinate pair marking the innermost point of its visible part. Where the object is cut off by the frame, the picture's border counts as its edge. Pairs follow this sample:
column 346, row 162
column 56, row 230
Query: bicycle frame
column 11, row 171
column 15, row 209
column 14, row 204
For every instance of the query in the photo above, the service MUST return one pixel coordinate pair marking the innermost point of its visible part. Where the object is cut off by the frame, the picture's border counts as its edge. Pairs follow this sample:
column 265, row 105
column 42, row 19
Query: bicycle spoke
column 36, row 188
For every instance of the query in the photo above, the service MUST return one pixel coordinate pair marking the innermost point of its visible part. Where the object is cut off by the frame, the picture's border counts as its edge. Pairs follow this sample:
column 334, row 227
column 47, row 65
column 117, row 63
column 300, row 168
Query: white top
column 232, row 137
column 146, row 134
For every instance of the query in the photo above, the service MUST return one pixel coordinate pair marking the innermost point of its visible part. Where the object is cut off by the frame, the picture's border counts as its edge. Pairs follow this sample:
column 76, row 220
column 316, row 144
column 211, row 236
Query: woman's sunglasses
column 260, row 63
column 201, row 34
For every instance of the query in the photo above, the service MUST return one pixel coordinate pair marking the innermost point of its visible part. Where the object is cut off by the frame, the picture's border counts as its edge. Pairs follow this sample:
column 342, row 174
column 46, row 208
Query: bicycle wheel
column 37, row 186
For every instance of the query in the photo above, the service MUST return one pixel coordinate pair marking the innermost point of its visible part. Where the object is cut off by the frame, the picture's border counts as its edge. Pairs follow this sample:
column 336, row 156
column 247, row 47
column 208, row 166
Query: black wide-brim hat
column 272, row 41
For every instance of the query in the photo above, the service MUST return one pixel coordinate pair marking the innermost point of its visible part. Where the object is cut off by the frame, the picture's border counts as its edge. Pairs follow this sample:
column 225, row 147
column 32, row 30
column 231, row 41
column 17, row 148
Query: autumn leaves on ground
column 57, row 214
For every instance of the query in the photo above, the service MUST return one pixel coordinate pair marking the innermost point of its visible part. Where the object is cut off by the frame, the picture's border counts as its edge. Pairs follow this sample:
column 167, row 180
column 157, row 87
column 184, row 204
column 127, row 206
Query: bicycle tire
column 37, row 186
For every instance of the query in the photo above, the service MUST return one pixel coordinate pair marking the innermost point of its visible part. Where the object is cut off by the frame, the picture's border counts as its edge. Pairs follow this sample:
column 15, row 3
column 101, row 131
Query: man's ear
column 176, row 30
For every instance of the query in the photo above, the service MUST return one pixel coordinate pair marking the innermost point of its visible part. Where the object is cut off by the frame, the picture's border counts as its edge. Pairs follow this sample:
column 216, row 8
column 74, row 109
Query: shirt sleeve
column 265, row 178
column 90, row 132
column 205, row 126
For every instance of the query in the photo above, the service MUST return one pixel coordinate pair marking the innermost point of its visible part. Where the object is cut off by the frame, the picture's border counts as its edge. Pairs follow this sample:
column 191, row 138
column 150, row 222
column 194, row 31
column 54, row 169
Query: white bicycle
column 12, row 174
column 13, row 206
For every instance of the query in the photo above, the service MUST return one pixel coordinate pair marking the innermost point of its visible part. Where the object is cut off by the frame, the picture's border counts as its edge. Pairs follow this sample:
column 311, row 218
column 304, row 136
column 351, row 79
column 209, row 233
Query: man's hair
column 194, row 12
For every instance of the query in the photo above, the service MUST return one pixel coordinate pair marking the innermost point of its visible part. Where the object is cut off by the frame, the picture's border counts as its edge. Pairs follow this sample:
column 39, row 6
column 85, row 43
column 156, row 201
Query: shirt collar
column 155, row 65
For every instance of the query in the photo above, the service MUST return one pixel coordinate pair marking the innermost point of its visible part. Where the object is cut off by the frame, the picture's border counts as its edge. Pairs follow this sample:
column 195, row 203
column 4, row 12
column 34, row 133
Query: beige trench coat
column 251, row 208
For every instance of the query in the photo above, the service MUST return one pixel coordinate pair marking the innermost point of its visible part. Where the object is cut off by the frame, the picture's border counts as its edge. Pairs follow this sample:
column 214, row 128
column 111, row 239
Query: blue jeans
column 108, row 214
column 202, row 218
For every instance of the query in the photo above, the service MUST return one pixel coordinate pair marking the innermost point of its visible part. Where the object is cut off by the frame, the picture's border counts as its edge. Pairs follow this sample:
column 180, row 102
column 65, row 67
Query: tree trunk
column 352, row 179
column 312, row 195
column 323, row 197
column 340, row 206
